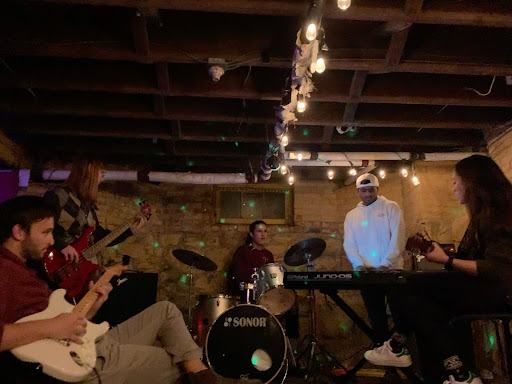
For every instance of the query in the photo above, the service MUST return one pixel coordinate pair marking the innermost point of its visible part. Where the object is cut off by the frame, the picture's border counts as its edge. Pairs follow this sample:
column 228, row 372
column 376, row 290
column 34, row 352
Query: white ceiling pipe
column 454, row 156
column 332, row 163
column 160, row 177
column 292, row 155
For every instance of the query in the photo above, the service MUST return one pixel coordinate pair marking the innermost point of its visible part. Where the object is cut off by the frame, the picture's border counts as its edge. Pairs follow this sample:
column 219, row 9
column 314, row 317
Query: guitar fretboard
column 95, row 248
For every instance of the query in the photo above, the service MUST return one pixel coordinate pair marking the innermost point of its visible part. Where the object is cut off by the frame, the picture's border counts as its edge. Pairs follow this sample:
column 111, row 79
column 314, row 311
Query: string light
column 320, row 65
column 301, row 104
column 415, row 180
column 382, row 174
column 311, row 32
column 299, row 157
column 404, row 172
column 330, row 174
column 284, row 140
column 291, row 179
column 344, row 4
column 352, row 171
column 283, row 170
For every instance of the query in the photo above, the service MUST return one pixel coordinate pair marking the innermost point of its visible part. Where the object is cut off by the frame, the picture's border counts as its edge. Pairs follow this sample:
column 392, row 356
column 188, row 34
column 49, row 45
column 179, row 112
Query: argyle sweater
column 73, row 216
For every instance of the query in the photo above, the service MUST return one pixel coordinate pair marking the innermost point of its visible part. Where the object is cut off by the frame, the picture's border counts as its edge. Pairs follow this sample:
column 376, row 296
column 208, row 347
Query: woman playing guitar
column 75, row 203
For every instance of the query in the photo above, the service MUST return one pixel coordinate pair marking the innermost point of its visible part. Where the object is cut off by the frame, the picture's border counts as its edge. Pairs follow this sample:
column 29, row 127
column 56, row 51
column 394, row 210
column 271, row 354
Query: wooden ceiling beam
column 486, row 14
column 356, row 90
column 140, row 34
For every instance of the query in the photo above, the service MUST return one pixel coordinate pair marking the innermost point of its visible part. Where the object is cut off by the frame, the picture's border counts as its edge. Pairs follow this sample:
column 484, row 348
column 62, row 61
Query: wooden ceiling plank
column 140, row 34
column 378, row 11
column 162, row 78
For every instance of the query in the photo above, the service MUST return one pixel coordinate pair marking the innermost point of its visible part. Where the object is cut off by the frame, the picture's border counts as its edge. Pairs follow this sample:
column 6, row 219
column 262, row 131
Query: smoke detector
column 217, row 68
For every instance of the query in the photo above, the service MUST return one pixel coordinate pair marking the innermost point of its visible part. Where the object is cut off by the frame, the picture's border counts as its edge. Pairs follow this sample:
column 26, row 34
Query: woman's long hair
column 83, row 180
column 488, row 194
column 252, row 227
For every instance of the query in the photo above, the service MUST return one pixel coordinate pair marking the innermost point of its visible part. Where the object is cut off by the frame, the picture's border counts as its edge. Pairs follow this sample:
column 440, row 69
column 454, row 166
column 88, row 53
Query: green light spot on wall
column 305, row 132
column 201, row 243
column 138, row 201
column 183, row 208
column 183, row 279
column 190, row 163
column 225, row 274
column 333, row 235
column 155, row 244
column 364, row 223
column 223, row 138
column 492, row 340
column 252, row 203
column 236, row 143
column 222, row 220
column 279, row 229
column 287, row 192
column 115, row 247
column 344, row 327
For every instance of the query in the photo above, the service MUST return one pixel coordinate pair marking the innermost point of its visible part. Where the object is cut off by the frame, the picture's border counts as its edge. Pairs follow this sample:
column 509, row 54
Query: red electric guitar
column 73, row 276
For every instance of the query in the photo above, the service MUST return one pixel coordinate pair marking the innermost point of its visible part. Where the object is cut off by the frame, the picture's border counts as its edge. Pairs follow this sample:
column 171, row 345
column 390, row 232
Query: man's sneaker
column 473, row 379
column 384, row 355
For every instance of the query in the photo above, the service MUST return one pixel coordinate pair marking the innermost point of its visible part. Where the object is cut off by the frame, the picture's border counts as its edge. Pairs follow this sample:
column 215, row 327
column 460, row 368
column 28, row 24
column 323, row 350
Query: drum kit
column 242, row 336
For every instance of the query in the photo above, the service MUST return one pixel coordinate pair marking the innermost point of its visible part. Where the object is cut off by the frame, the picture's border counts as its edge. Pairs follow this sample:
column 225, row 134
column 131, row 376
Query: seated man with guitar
column 481, row 281
column 70, row 263
column 41, row 327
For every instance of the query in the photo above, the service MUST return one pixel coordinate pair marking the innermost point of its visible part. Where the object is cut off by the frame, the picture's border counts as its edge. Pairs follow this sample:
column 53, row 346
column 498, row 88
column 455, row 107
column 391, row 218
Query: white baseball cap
column 372, row 181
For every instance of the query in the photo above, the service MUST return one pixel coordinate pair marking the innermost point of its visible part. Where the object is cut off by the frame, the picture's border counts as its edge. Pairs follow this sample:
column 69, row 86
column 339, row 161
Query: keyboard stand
column 333, row 294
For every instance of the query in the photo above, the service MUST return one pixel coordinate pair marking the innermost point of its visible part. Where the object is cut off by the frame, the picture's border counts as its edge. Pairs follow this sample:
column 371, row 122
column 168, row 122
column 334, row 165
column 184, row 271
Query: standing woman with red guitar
column 76, row 204
column 480, row 281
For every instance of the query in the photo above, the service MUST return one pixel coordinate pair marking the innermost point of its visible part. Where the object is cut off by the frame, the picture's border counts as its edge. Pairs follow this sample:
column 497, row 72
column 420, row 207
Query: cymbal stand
column 314, row 347
column 189, row 319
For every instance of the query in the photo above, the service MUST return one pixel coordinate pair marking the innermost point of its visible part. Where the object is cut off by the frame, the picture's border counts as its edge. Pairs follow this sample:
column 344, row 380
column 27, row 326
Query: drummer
column 246, row 261
column 250, row 256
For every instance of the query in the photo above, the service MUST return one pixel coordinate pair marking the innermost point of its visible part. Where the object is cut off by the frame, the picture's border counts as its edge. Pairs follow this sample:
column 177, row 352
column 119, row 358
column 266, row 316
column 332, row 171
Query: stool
column 503, row 338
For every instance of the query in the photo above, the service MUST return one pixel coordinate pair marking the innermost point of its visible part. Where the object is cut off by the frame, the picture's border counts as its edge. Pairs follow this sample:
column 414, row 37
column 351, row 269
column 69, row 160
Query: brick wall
column 500, row 150
column 184, row 218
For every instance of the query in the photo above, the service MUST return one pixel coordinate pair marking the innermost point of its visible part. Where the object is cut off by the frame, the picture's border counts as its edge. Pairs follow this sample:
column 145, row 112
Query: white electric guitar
column 64, row 359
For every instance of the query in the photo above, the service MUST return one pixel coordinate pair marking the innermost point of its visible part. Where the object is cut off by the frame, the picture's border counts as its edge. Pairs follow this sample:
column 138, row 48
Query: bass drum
column 246, row 341
column 208, row 309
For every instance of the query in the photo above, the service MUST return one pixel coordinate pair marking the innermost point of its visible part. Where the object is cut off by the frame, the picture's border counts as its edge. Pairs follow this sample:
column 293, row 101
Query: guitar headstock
column 146, row 209
column 116, row 270
column 418, row 244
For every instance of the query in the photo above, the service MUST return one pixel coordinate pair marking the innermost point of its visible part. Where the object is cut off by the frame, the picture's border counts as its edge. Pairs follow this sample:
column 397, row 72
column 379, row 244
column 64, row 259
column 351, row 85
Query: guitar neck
column 95, row 248
column 91, row 296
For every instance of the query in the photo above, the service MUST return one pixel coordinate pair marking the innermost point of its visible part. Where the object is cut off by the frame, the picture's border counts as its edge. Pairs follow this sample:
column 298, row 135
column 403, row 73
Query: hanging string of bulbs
column 308, row 59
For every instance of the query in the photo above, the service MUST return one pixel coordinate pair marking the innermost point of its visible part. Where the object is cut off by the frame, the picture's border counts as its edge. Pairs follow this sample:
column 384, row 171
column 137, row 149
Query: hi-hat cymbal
column 296, row 255
column 194, row 260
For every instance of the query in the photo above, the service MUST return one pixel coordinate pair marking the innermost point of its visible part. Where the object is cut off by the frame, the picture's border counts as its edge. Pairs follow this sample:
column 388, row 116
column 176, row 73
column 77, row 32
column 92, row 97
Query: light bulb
column 284, row 140
column 299, row 157
column 344, row 4
column 330, row 174
column 291, row 179
column 320, row 65
column 311, row 32
column 283, row 170
column 352, row 171
column 382, row 174
column 301, row 105
column 404, row 172
column 415, row 180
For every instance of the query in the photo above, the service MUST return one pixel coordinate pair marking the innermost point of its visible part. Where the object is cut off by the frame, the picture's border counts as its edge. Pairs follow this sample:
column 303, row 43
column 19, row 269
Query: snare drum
column 270, row 289
column 208, row 309
column 246, row 341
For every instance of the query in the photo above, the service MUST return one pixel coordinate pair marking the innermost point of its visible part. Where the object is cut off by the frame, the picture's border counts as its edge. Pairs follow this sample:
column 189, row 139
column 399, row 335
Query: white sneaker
column 473, row 379
column 384, row 355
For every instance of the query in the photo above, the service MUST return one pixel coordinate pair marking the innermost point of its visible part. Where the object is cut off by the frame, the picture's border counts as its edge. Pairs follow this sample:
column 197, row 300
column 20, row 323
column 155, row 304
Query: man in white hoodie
column 374, row 240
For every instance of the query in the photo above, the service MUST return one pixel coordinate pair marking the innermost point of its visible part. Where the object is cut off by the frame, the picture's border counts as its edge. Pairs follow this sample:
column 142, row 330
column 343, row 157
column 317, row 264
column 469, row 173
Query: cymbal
column 194, row 260
column 296, row 255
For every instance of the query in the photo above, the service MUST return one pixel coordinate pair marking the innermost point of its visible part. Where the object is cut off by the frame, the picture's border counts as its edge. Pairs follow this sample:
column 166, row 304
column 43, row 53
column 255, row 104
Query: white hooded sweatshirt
column 375, row 235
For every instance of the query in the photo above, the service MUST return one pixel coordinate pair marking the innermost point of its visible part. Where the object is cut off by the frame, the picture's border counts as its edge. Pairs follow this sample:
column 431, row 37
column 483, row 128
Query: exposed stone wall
column 184, row 218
